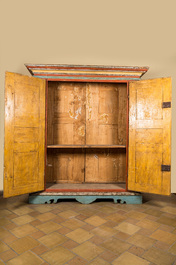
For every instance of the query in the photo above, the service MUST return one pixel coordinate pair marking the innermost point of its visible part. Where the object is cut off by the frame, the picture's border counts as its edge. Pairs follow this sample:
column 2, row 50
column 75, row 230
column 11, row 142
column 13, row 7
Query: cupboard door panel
column 106, row 114
column 149, row 136
column 24, row 134
column 66, row 113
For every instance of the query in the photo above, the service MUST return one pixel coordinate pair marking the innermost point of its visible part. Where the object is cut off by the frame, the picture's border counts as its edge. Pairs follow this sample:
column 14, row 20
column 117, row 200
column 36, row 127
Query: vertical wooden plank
column 50, row 112
column 167, row 97
column 105, row 165
column 92, row 165
column 122, row 114
column 92, row 104
column 63, row 109
column 106, row 114
column 49, row 175
column 8, row 135
column 79, row 114
column 69, row 113
column 68, row 166
column 127, row 134
column 132, row 144
column 78, row 166
column 63, row 166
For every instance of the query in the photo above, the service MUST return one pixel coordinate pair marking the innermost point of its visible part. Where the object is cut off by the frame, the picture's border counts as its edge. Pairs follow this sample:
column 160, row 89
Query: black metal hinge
column 166, row 105
column 165, row 168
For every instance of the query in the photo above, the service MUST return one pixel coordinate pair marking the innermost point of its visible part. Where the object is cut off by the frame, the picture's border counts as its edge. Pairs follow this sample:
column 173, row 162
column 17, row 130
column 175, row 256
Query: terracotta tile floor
column 100, row 233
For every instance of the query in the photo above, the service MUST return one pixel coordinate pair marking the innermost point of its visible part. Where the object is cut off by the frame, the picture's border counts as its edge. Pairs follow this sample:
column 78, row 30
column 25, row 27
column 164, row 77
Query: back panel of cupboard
column 86, row 114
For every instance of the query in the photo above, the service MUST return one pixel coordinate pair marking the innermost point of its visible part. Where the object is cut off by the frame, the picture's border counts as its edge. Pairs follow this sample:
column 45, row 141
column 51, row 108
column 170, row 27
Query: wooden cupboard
column 86, row 128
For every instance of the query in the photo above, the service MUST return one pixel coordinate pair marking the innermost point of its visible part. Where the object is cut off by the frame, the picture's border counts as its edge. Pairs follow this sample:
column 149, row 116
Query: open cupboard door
column 24, row 134
column 150, row 136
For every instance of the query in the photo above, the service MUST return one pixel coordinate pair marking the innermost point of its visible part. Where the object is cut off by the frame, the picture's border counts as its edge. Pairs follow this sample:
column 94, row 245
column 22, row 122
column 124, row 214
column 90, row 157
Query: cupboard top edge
column 86, row 72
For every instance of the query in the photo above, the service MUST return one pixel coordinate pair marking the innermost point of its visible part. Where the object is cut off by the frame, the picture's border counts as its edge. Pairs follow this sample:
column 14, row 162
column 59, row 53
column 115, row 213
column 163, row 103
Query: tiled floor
column 100, row 233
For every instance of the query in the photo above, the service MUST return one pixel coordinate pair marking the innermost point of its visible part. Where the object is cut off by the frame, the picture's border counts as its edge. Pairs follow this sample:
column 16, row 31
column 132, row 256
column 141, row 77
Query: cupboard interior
column 86, row 135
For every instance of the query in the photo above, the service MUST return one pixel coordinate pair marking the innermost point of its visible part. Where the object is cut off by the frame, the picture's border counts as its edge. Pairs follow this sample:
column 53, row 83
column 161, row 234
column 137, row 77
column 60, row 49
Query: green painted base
column 84, row 199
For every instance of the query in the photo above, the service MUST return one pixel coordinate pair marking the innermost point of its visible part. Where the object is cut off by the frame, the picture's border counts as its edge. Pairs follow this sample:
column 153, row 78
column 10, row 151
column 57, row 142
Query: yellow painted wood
column 149, row 136
column 24, row 134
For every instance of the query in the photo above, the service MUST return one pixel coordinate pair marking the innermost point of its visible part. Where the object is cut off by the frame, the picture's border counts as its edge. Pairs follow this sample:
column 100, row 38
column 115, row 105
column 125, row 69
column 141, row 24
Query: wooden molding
column 86, row 73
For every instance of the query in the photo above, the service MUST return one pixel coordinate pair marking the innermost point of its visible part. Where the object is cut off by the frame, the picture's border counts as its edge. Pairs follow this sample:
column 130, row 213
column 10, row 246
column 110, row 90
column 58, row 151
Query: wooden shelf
column 86, row 146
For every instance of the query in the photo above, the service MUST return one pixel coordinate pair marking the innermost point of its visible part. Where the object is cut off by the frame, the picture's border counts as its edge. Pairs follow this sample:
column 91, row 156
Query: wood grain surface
column 24, row 134
column 81, row 116
column 149, row 136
